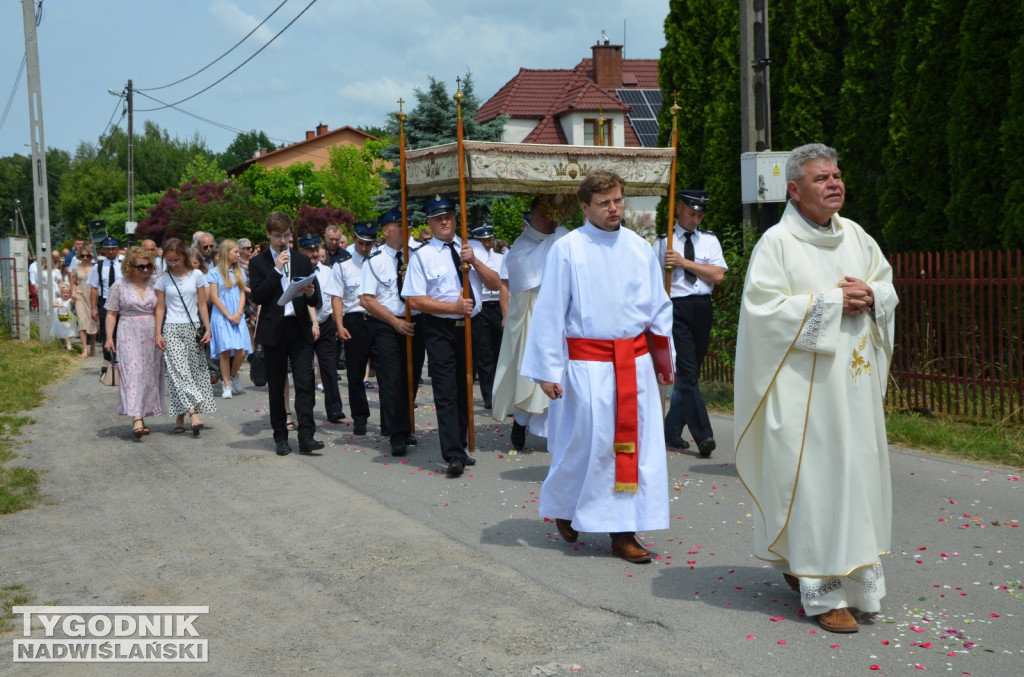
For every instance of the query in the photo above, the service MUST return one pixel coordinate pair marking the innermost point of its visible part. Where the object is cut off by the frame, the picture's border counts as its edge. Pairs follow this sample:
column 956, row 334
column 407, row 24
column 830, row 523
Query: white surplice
column 811, row 445
column 514, row 394
column 599, row 285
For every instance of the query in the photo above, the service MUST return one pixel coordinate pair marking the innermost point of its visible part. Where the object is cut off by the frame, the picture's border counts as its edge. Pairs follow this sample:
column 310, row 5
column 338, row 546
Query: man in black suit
column 287, row 331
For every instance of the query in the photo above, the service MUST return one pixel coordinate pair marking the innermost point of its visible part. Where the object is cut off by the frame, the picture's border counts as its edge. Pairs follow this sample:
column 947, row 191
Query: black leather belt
column 492, row 303
column 363, row 316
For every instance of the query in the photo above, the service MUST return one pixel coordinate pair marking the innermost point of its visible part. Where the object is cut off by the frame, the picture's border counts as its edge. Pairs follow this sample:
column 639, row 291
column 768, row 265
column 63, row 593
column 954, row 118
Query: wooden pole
column 672, row 193
column 465, row 266
column 409, row 380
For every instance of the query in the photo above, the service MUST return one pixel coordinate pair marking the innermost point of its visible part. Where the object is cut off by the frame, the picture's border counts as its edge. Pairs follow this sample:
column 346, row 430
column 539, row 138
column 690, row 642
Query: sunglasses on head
column 143, row 267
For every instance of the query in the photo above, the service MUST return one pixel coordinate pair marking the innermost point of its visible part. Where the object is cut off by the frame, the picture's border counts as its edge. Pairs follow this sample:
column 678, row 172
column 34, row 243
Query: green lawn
column 26, row 367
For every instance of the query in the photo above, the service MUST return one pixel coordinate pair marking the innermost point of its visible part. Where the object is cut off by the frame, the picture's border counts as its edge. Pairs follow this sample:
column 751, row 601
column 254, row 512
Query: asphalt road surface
column 352, row 562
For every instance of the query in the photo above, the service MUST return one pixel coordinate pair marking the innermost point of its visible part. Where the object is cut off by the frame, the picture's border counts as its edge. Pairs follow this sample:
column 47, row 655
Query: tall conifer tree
column 864, row 105
column 988, row 34
column 1012, row 135
column 915, row 187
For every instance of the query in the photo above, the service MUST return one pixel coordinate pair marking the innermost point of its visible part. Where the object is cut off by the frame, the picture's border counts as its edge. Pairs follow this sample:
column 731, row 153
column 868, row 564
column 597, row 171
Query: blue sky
column 343, row 62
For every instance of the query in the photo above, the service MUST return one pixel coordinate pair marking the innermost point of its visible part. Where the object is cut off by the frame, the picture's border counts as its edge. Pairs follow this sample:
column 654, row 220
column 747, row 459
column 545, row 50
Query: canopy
column 534, row 168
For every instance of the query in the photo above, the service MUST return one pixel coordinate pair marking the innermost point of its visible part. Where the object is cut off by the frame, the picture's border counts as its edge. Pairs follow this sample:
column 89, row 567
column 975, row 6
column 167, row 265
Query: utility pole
column 131, row 160
column 39, row 187
column 755, row 104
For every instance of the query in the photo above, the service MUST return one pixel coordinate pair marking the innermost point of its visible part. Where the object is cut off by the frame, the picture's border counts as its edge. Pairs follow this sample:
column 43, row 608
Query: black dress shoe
column 399, row 449
column 518, row 436
column 705, row 447
column 487, row 405
column 455, row 468
column 283, row 449
column 310, row 445
column 411, row 441
column 336, row 417
column 676, row 442
column 469, row 460
column 359, row 428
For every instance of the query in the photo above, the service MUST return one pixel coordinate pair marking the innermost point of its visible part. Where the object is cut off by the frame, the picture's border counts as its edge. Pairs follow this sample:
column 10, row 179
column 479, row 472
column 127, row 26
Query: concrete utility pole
column 131, row 155
column 39, row 188
column 755, row 104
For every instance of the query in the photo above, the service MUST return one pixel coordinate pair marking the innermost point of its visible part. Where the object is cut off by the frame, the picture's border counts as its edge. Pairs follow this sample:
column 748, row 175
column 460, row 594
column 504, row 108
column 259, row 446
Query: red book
column 661, row 352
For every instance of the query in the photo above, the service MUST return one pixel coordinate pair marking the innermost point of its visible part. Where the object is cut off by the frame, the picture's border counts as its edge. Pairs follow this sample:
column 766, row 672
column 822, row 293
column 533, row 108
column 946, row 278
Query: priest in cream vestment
column 812, row 359
column 521, row 271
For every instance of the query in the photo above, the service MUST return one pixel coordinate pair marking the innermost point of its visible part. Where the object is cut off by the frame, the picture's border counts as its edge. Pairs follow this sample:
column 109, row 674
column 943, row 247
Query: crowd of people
column 567, row 351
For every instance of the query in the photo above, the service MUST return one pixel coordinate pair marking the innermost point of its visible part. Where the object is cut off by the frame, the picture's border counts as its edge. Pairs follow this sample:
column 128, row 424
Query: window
column 597, row 134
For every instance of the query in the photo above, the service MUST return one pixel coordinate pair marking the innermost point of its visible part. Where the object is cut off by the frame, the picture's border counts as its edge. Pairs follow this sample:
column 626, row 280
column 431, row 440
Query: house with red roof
column 605, row 100
column 314, row 148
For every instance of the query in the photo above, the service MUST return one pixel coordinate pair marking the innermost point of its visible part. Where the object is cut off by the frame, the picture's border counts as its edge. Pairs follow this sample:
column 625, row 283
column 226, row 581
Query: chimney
column 310, row 135
column 607, row 65
column 321, row 129
column 260, row 152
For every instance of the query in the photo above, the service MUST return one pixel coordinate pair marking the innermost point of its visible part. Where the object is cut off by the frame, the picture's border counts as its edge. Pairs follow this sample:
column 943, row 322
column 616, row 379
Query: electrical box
column 763, row 177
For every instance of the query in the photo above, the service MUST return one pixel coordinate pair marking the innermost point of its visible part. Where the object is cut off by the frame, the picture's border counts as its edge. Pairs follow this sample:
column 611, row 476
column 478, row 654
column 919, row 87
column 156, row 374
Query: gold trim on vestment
column 627, row 487
column 624, row 447
column 760, row 405
column 800, row 459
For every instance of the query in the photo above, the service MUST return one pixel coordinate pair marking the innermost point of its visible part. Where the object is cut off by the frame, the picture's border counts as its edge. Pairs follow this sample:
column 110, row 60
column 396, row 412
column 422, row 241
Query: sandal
column 179, row 429
column 196, row 427
column 289, row 424
column 138, row 428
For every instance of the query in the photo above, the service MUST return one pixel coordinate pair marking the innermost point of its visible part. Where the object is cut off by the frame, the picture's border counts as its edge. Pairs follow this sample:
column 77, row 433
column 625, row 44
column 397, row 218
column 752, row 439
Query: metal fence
column 959, row 335
column 9, row 307
column 959, row 339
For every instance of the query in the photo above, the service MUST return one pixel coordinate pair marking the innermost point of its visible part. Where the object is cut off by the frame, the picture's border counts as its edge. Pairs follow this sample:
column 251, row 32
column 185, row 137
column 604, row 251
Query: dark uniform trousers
column 292, row 345
column 419, row 351
column 691, row 332
column 446, row 350
column 101, row 332
column 357, row 355
column 326, row 348
column 486, row 344
column 387, row 351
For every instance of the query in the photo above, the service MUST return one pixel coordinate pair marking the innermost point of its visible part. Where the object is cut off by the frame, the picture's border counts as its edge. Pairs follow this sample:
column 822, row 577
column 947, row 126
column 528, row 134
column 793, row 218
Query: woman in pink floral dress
column 140, row 363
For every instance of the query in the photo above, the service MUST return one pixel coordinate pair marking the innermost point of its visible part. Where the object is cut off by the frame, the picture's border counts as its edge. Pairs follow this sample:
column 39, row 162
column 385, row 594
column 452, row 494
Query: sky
column 342, row 62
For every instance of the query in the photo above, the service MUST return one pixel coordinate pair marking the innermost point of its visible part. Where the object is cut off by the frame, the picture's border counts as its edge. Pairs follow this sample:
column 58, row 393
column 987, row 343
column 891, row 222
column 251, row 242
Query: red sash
column 622, row 353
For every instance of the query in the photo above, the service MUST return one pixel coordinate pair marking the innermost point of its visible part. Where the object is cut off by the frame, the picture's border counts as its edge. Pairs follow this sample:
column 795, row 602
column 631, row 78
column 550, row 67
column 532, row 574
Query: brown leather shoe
column 794, row 582
column 628, row 548
column 569, row 535
column 838, row 620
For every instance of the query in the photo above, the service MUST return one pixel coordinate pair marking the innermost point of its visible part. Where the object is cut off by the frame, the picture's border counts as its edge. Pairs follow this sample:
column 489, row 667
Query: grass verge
column 26, row 367
column 11, row 596
column 959, row 439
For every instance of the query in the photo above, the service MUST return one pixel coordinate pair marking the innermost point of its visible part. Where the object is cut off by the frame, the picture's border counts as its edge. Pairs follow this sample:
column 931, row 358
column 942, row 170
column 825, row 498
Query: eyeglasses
column 143, row 267
column 84, row 257
column 246, row 249
column 208, row 246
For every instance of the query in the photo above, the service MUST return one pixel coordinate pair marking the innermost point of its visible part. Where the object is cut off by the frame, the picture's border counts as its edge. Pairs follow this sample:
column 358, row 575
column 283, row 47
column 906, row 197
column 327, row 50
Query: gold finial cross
column 400, row 102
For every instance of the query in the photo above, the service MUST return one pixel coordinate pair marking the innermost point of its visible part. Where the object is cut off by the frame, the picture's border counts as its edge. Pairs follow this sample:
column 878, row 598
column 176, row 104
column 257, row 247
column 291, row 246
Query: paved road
column 351, row 562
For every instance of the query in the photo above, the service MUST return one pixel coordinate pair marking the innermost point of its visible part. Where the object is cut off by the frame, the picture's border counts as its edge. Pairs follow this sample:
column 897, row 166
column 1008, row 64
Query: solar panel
column 645, row 104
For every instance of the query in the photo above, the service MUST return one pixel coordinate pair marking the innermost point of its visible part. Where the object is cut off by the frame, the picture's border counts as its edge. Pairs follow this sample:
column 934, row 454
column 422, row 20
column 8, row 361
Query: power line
column 283, row 142
column 148, row 110
column 188, row 77
column 14, row 90
column 21, row 69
